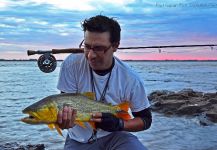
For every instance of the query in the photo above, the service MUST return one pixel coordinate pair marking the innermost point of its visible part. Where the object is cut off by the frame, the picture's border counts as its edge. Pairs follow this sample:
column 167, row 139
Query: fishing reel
column 47, row 62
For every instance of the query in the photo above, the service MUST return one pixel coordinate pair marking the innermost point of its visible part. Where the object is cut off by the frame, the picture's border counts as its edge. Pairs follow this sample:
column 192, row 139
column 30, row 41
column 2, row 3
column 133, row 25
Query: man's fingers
column 68, row 119
column 65, row 113
column 64, row 117
column 59, row 117
column 73, row 116
column 97, row 115
column 96, row 119
column 69, row 114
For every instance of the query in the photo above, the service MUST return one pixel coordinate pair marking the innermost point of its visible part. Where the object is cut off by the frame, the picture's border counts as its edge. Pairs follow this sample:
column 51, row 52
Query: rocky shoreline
column 186, row 102
column 16, row 146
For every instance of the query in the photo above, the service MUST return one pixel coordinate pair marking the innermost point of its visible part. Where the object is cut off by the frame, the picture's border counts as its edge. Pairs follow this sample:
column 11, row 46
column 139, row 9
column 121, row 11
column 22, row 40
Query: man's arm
column 109, row 122
column 142, row 121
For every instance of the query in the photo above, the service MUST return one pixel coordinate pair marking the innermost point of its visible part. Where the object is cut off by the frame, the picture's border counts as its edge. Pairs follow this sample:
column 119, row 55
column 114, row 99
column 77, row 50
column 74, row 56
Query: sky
column 50, row 24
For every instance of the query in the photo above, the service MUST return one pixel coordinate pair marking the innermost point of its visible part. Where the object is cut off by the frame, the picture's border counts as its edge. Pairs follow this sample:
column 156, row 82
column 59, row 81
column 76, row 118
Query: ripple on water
column 175, row 131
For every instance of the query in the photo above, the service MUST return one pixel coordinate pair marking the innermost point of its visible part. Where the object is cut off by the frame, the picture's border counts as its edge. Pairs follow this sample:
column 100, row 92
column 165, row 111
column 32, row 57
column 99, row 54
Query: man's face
column 95, row 41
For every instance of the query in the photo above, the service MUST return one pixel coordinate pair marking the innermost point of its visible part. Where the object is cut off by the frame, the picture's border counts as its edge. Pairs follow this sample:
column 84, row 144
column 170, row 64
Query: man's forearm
column 134, row 125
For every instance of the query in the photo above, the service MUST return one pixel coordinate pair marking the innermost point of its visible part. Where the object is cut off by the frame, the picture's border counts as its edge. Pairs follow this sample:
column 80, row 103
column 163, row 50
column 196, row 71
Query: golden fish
column 46, row 110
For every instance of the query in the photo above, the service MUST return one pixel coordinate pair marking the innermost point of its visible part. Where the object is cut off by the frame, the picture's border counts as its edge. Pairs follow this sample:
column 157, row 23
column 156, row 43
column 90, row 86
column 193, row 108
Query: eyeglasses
column 95, row 49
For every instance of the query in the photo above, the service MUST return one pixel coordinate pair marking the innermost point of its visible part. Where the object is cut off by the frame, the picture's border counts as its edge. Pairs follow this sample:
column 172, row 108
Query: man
column 112, row 81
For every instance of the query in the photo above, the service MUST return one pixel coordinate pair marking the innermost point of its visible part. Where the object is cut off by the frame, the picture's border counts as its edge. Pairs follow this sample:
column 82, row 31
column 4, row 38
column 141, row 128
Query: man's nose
column 91, row 54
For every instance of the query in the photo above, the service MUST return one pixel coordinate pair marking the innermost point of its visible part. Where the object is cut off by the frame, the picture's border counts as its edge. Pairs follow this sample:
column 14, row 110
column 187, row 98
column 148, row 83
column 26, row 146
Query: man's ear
column 115, row 46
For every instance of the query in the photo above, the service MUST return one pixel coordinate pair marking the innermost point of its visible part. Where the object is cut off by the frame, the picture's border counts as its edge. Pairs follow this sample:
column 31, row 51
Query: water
column 22, row 83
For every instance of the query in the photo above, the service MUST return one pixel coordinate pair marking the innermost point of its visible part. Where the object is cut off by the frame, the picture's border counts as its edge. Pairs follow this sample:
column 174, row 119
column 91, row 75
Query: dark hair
column 101, row 24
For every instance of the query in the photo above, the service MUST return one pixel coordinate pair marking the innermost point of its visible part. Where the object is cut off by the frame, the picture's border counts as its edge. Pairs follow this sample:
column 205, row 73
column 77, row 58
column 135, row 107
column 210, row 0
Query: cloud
column 17, row 47
column 14, row 19
column 4, row 4
column 81, row 5
column 5, row 26
column 56, row 23
column 120, row 2
column 40, row 22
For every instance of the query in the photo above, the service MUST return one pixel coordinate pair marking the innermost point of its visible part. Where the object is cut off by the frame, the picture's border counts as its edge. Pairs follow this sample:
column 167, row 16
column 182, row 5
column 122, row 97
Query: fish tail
column 124, row 106
column 123, row 113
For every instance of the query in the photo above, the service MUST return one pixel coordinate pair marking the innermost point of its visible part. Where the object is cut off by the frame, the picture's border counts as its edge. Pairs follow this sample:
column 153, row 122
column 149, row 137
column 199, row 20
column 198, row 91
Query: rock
column 190, row 93
column 212, row 116
column 204, row 119
column 185, row 102
column 188, row 110
column 165, row 107
column 213, row 101
column 175, row 96
column 16, row 146
column 159, row 93
column 210, row 95
column 212, row 113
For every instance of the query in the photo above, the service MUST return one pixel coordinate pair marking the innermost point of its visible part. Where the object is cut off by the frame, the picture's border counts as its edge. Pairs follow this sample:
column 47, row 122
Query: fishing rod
column 47, row 62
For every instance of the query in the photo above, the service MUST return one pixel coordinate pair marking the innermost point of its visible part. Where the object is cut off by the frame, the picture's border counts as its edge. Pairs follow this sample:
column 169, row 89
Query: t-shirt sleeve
column 67, row 79
column 138, row 97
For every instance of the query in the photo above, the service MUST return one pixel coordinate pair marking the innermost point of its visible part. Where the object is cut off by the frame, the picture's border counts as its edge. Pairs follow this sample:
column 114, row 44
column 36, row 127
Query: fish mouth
column 31, row 120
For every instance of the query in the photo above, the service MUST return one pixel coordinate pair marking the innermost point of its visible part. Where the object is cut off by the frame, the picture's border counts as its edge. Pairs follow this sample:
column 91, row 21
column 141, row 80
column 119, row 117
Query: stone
column 16, row 146
column 186, row 102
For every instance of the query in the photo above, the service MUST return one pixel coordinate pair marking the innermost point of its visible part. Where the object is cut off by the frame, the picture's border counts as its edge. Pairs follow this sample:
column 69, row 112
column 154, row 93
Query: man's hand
column 66, row 118
column 108, row 122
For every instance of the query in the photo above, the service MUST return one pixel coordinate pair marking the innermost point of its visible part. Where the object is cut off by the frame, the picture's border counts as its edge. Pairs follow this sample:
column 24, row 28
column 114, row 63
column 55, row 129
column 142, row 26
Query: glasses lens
column 99, row 48
column 96, row 49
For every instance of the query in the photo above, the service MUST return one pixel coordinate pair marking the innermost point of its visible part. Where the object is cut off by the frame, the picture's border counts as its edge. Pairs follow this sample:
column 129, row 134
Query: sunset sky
column 48, row 24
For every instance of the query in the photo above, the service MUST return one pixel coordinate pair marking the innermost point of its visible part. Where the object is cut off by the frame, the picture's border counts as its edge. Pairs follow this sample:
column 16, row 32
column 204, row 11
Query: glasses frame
column 93, row 49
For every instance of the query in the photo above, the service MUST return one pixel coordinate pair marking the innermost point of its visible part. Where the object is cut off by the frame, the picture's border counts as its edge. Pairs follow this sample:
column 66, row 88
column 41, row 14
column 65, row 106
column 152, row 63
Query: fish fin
column 123, row 113
column 89, row 95
column 124, row 106
column 80, row 123
column 51, row 126
column 92, row 124
column 58, row 129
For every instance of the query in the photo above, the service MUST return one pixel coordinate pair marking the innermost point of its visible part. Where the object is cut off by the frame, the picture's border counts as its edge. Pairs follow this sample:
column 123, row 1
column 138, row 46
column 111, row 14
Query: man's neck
column 104, row 72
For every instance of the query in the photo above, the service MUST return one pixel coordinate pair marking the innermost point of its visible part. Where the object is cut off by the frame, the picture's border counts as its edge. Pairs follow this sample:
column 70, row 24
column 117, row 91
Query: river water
column 22, row 83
